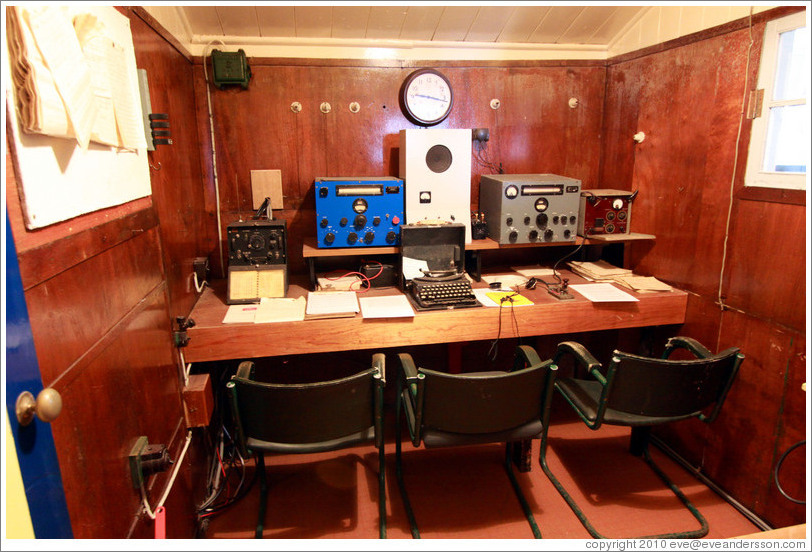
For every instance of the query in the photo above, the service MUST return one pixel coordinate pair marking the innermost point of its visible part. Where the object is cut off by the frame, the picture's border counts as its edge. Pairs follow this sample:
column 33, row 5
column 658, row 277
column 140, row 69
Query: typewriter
column 441, row 283
column 443, row 292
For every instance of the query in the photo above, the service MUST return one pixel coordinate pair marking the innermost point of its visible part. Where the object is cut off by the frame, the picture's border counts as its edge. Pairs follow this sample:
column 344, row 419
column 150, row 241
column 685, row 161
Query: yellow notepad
column 511, row 298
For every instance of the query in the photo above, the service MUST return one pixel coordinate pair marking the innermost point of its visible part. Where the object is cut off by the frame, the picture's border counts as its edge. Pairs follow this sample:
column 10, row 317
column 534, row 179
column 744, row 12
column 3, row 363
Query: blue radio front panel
column 359, row 211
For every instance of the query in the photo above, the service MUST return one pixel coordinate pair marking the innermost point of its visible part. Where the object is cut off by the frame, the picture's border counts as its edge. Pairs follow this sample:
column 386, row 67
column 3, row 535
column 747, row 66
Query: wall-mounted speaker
column 435, row 165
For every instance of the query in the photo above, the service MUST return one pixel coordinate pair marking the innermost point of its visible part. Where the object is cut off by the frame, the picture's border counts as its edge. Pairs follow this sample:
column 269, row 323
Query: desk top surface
column 211, row 340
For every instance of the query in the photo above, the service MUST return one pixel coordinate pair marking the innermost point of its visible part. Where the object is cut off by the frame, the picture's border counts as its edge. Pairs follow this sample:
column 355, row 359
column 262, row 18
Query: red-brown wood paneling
column 687, row 98
column 534, row 129
column 187, row 230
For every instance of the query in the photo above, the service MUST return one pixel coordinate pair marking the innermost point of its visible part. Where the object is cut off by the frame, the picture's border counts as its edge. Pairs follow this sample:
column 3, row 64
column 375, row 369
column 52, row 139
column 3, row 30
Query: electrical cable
column 778, row 468
column 214, row 159
column 169, row 484
column 719, row 300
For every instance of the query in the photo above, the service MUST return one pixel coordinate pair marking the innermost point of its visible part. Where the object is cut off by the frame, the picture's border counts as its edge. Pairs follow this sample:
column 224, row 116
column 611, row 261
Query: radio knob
column 541, row 220
column 324, row 223
column 329, row 238
column 567, row 234
column 610, row 216
column 609, row 228
column 395, row 220
column 369, row 237
column 533, row 235
column 509, row 221
column 391, row 237
column 527, row 221
column 376, row 221
column 573, row 219
column 513, row 236
column 343, row 221
column 555, row 219
column 352, row 238
column 548, row 235
column 360, row 221
column 621, row 215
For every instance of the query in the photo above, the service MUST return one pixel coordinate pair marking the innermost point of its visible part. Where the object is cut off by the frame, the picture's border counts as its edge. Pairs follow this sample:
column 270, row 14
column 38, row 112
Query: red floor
column 463, row 493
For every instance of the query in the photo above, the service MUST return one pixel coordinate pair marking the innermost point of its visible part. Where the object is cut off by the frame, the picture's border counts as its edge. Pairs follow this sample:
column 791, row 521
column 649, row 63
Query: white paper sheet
column 280, row 309
column 387, row 306
column 412, row 267
column 240, row 314
column 331, row 302
column 603, row 293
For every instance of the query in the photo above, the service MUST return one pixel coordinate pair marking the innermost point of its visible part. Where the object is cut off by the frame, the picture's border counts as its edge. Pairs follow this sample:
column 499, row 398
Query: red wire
column 363, row 277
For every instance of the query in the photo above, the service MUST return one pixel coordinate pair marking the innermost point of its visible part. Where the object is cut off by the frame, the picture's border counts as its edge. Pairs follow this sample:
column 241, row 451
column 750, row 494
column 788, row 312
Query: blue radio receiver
column 359, row 211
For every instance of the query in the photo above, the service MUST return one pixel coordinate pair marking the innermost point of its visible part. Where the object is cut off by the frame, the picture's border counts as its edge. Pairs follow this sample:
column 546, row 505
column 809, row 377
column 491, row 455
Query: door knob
column 46, row 406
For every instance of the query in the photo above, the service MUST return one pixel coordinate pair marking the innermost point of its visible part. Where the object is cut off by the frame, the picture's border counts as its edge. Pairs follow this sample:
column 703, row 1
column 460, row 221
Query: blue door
column 35, row 443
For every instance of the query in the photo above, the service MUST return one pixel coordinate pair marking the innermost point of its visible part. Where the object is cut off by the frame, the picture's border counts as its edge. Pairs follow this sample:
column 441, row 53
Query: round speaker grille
column 438, row 158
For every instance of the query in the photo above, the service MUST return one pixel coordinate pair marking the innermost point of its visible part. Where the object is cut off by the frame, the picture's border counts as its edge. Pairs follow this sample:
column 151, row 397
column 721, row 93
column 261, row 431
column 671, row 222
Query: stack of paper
column 331, row 304
column 598, row 270
column 642, row 284
column 280, row 309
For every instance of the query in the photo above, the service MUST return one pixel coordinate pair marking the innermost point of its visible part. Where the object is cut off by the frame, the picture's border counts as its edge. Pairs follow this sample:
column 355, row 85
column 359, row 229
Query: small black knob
column 323, row 223
column 360, row 221
column 573, row 219
column 352, row 238
column 526, row 221
column 391, row 237
column 567, row 234
column 555, row 219
column 376, row 221
column 513, row 236
column 509, row 221
column 533, row 235
column 548, row 235
column 323, row 192
column 369, row 237
column 329, row 238
column 343, row 221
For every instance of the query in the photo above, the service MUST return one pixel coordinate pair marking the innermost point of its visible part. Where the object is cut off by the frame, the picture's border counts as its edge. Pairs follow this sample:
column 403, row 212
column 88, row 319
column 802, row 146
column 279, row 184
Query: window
column 779, row 143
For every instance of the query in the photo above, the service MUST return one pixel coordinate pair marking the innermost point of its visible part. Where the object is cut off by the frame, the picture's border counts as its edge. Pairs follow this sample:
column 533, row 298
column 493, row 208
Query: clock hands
column 429, row 97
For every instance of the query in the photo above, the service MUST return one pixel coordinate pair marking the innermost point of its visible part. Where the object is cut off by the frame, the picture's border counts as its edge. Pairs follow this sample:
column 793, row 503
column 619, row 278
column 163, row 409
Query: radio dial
column 352, row 238
column 360, row 205
column 360, row 221
column 617, row 204
column 541, row 204
column 329, row 238
column 511, row 191
column 369, row 237
column 541, row 220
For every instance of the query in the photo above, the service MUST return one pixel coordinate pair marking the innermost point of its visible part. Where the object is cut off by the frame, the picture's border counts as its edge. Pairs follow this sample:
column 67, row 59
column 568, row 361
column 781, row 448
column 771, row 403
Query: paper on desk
column 240, row 314
column 280, row 309
column 331, row 302
column 533, row 270
column 387, row 306
column 603, row 293
column 507, row 280
column 412, row 268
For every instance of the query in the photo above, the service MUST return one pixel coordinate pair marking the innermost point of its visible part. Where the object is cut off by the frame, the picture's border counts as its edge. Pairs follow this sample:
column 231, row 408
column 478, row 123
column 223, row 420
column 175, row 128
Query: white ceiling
column 591, row 25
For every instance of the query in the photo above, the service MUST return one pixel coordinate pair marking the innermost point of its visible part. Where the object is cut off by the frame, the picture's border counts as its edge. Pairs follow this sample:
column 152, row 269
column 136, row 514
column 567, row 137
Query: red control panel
column 605, row 212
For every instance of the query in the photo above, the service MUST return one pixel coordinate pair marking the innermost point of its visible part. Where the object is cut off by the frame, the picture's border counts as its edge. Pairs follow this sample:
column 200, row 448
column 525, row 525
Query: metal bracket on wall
column 179, row 336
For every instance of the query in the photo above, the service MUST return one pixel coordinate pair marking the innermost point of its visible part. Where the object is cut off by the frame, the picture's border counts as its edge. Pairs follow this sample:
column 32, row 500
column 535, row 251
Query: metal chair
column 642, row 392
column 309, row 418
column 446, row 410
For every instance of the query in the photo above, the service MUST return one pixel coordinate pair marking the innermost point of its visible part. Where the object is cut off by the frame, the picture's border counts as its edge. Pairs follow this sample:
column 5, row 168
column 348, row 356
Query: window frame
column 755, row 178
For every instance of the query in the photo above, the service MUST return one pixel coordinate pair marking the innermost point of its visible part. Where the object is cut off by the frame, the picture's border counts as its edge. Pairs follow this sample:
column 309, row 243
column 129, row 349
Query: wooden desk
column 211, row 340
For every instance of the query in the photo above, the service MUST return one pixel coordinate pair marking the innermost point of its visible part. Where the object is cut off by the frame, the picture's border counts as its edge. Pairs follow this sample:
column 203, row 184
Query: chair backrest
column 483, row 403
column 304, row 413
column 669, row 388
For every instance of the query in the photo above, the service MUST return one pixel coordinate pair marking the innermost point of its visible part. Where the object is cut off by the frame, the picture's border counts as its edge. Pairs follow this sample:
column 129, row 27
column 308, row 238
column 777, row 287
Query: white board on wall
column 57, row 179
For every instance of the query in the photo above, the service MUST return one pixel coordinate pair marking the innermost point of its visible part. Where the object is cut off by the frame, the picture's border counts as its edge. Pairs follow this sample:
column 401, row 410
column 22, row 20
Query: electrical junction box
column 230, row 68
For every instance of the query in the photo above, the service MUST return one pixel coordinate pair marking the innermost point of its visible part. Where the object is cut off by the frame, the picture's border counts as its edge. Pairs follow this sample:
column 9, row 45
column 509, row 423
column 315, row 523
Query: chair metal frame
column 640, row 427
column 376, row 375
column 411, row 386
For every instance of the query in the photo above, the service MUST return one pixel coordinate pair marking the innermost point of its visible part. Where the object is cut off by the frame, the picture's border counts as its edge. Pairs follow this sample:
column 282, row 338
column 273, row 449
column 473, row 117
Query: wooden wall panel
column 687, row 99
column 534, row 130
column 187, row 229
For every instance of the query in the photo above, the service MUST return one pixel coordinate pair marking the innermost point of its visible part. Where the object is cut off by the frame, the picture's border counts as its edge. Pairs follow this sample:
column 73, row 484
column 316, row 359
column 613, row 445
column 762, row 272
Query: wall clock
column 426, row 97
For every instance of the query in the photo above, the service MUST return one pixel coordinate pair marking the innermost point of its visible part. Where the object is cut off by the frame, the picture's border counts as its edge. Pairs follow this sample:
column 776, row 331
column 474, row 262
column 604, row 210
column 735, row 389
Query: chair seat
column 433, row 438
column 363, row 436
column 585, row 394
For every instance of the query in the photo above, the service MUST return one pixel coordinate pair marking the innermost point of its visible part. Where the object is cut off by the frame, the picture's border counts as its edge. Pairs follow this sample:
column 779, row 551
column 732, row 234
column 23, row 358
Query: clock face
column 426, row 97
